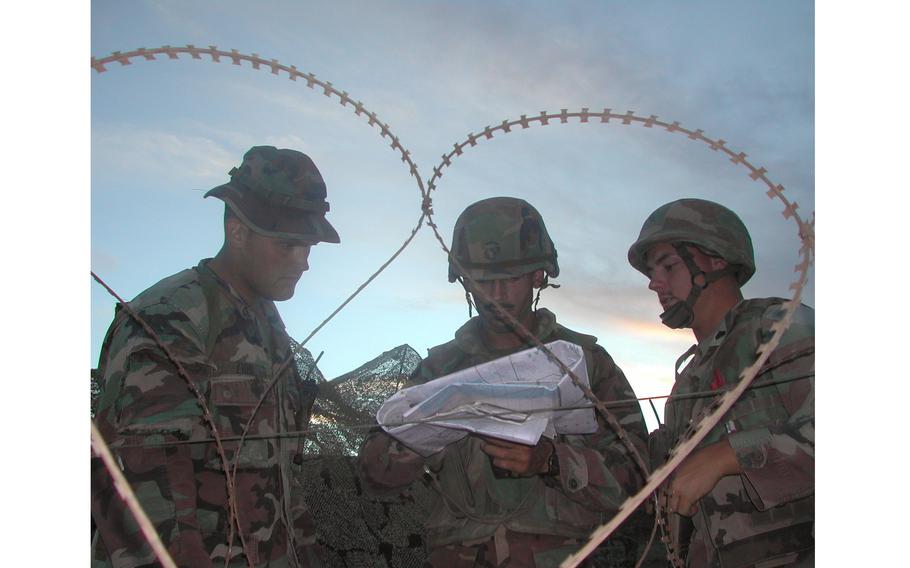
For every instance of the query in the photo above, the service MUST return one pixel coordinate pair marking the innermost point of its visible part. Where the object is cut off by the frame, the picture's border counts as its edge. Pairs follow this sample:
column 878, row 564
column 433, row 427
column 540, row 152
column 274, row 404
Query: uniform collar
column 469, row 340
column 245, row 310
column 720, row 332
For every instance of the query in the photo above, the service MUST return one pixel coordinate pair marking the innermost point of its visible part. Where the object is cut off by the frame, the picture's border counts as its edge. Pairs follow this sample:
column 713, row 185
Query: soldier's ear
column 716, row 263
column 235, row 232
column 539, row 278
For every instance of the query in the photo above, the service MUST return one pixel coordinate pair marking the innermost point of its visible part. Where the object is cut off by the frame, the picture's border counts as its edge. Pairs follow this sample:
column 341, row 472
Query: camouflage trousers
column 804, row 559
column 791, row 547
column 506, row 549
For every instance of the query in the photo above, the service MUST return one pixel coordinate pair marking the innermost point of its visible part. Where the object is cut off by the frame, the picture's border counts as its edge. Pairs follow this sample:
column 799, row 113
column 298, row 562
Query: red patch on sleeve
column 718, row 381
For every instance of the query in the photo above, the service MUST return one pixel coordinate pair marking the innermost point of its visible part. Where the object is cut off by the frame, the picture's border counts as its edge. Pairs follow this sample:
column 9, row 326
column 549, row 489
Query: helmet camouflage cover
column 502, row 237
column 279, row 193
column 706, row 224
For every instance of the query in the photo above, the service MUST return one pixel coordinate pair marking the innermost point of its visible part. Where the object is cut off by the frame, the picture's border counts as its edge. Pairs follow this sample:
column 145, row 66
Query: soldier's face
column 670, row 278
column 513, row 294
column 274, row 266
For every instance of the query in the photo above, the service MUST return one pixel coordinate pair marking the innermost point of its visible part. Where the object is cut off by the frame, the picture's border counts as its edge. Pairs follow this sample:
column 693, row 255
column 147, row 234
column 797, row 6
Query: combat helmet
column 279, row 193
column 708, row 225
column 501, row 237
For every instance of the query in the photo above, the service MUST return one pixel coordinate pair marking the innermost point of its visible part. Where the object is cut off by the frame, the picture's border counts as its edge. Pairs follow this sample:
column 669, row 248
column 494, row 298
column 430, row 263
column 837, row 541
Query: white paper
column 494, row 399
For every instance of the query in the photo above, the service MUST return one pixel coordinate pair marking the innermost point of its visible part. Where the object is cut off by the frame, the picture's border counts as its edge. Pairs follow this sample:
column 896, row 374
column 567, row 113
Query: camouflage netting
column 357, row 529
column 347, row 405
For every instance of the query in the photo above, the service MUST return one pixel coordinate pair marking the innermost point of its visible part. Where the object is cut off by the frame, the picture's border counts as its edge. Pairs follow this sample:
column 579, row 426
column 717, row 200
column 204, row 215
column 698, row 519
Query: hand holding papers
column 516, row 398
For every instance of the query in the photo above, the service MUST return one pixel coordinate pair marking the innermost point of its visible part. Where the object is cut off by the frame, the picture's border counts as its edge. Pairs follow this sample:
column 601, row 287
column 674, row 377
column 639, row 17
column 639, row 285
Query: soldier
column 749, row 487
column 220, row 322
column 501, row 503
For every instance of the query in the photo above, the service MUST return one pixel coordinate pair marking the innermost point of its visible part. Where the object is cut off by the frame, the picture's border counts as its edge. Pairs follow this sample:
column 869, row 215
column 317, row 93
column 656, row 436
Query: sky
column 111, row 168
column 164, row 131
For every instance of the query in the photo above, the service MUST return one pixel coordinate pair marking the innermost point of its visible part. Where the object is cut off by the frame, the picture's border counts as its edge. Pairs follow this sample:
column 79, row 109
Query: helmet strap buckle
column 682, row 313
column 546, row 284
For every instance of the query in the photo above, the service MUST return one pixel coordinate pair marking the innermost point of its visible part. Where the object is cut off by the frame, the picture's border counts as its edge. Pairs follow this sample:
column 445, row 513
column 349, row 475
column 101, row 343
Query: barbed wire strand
column 647, row 547
column 246, row 428
column 368, row 281
column 128, row 497
column 505, row 414
column 806, row 230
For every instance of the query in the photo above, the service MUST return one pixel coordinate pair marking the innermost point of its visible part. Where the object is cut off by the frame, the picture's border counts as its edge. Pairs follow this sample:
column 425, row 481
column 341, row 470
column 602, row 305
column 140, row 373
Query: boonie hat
column 279, row 193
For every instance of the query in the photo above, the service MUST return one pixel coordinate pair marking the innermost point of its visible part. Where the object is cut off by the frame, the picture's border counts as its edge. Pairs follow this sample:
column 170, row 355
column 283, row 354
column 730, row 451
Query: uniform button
column 298, row 458
column 226, row 394
column 573, row 484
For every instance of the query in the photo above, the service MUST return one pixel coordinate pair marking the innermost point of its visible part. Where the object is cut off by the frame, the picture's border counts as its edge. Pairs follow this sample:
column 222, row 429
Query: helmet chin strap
column 681, row 314
column 467, row 296
column 546, row 284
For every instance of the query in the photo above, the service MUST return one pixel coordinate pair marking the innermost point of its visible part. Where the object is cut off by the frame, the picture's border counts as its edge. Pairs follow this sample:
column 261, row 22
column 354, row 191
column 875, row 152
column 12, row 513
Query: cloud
column 438, row 70
column 104, row 262
column 180, row 18
column 169, row 158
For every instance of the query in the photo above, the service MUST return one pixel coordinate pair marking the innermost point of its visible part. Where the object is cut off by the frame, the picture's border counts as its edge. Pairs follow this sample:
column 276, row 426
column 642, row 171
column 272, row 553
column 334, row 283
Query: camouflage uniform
column 763, row 517
column 231, row 355
column 481, row 518
column 236, row 354
column 596, row 473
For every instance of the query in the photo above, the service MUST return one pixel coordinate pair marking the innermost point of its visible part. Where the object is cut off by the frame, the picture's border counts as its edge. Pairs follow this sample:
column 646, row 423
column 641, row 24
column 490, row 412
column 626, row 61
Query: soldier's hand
column 698, row 475
column 520, row 459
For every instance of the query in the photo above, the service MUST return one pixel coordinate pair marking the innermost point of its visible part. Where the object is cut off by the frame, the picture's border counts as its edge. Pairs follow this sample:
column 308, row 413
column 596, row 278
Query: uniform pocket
column 760, row 410
column 233, row 400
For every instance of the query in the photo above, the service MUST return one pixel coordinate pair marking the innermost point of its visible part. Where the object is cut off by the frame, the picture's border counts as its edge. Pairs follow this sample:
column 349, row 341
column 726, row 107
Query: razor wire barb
column 805, row 233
